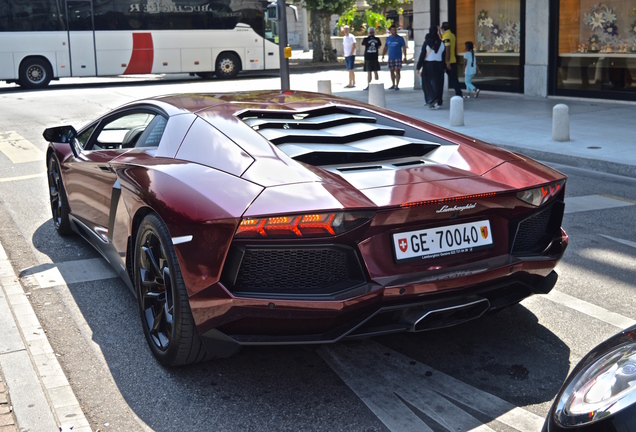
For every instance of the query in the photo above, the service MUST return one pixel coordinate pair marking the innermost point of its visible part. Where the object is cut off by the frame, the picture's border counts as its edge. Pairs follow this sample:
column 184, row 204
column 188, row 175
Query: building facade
column 578, row 48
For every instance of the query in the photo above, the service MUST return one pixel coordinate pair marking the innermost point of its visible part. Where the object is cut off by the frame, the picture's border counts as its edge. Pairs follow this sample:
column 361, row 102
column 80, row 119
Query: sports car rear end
column 405, row 227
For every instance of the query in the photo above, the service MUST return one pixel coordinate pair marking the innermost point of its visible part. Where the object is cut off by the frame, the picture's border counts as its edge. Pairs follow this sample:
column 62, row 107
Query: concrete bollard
column 376, row 95
column 561, row 123
column 457, row 111
column 324, row 86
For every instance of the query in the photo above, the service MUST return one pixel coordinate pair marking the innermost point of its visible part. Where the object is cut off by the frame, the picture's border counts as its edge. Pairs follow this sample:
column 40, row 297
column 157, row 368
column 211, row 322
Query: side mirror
column 60, row 134
column 272, row 11
column 295, row 9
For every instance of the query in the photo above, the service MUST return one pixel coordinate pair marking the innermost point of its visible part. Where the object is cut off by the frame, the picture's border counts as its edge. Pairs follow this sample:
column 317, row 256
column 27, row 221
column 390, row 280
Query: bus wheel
column 35, row 73
column 205, row 75
column 227, row 65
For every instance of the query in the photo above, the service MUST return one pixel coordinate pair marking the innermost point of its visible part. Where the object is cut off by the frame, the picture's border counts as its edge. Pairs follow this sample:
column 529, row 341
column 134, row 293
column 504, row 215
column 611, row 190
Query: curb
column 607, row 167
column 42, row 397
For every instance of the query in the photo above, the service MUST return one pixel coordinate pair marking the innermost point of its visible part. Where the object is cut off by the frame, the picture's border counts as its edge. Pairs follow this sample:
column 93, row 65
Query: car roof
column 229, row 104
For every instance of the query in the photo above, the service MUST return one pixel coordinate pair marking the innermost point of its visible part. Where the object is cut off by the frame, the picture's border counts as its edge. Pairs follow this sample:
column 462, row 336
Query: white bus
column 41, row 40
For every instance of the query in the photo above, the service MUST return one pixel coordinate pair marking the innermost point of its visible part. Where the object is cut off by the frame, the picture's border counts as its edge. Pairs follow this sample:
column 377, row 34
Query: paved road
column 498, row 373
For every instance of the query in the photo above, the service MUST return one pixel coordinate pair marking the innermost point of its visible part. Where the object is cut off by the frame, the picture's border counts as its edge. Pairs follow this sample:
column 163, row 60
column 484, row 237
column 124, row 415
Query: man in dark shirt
column 371, row 46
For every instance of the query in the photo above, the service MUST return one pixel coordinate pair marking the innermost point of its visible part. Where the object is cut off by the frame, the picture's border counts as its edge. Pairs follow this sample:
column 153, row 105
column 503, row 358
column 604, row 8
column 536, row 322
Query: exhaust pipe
column 422, row 320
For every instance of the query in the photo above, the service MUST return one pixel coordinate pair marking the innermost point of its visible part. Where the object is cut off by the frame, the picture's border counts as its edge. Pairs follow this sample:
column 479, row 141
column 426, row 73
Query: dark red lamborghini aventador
column 290, row 218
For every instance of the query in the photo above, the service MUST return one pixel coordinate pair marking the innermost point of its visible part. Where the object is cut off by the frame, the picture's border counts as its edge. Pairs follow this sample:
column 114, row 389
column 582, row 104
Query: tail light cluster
column 303, row 225
column 538, row 196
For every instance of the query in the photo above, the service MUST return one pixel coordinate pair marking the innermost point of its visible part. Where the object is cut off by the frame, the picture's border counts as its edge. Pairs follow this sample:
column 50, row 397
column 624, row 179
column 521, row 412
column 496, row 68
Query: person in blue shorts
column 397, row 49
column 349, row 48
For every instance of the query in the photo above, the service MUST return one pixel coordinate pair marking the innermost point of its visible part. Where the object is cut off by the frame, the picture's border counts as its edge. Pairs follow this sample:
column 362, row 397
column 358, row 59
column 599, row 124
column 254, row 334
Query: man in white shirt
column 349, row 48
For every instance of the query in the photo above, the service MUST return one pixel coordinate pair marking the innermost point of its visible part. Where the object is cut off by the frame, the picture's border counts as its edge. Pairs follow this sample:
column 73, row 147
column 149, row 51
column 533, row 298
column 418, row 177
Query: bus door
column 81, row 37
column 270, row 44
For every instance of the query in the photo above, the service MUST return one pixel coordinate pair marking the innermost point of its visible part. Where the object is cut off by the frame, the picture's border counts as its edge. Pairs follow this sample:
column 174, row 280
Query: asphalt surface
column 602, row 138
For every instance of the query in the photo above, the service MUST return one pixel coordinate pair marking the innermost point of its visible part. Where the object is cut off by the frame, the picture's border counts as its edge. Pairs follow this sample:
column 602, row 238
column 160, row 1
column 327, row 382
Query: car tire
column 57, row 196
column 162, row 297
column 35, row 73
column 228, row 65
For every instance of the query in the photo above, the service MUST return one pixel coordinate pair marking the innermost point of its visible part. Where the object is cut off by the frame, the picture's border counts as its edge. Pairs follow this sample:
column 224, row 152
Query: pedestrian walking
column 451, row 61
column 470, row 69
column 349, row 52
column 430, row 66
column 396, row 47
column 371, row 51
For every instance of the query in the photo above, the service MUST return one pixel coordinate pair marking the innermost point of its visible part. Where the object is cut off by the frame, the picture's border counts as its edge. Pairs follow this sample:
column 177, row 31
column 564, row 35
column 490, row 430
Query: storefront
column 594, row 49
column 579, row 48
column 496, row 28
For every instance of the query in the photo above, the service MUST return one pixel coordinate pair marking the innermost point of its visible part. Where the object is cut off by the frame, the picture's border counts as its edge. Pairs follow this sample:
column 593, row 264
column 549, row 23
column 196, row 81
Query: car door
column 90, row 181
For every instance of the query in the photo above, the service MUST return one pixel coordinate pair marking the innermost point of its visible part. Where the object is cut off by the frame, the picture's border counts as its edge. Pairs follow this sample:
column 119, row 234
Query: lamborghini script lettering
column 446, row 208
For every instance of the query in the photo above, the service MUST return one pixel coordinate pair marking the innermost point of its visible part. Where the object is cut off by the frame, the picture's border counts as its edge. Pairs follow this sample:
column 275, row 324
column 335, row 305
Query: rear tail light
column 304, row 225
column 540, row 195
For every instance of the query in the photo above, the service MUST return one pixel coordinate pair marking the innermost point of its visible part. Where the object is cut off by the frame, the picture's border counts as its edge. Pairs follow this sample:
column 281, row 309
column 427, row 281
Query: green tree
column 359, row 21
column 321, row 11
column 383, row 6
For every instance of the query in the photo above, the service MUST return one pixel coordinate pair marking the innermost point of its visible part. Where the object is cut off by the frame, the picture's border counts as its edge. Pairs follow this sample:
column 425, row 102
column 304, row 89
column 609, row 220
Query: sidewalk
column 34, row 392
column 7, row 420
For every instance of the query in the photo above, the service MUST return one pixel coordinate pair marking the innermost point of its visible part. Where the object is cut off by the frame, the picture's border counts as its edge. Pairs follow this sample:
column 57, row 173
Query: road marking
column 18, row 149
column 64, row 273
column 19, row 178
column 594, row 202
column 625, row 242
column 590, row 309
column 401, row 391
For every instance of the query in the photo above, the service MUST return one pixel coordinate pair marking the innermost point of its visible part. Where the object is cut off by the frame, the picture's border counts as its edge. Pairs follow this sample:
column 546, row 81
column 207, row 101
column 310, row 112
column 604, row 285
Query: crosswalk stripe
column 18, row 149
column 594, row 202
column 64, row 273
column 621, row 241
column 590, row 309
column 388, row 382
column 19, row 178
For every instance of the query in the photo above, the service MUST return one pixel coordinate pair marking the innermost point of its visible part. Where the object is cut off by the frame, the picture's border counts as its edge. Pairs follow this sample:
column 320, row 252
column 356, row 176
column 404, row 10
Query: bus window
column 36, row 15
column 79, row 15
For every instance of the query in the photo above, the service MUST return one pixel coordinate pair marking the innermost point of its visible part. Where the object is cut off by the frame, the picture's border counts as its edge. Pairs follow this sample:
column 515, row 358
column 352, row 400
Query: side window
column 153, row 133
column 82, row 138
column 123, row 131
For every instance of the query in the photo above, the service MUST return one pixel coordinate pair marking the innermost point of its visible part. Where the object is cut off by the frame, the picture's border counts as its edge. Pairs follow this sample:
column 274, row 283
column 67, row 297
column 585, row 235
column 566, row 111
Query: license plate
column 442, row 241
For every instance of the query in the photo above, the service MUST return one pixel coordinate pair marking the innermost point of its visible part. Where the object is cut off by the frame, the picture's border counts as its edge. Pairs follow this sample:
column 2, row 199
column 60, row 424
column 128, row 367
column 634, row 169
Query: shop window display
column 494, row 27
column 597, row 45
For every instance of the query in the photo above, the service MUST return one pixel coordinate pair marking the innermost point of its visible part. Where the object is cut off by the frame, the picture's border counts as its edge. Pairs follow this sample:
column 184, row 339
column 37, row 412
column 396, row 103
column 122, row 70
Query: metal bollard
column 561, row 123
column 376, row 95
column 324, row 86
column 457, row 111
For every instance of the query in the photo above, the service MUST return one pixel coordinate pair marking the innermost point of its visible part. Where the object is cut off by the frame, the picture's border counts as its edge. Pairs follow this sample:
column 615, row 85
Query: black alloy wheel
column 35, row 73
column 162, row 297
column 228, row 65
column 57, row 195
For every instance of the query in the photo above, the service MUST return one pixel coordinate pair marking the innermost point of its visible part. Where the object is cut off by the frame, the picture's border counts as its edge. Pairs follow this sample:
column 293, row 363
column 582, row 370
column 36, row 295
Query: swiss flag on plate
column 403, row 244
